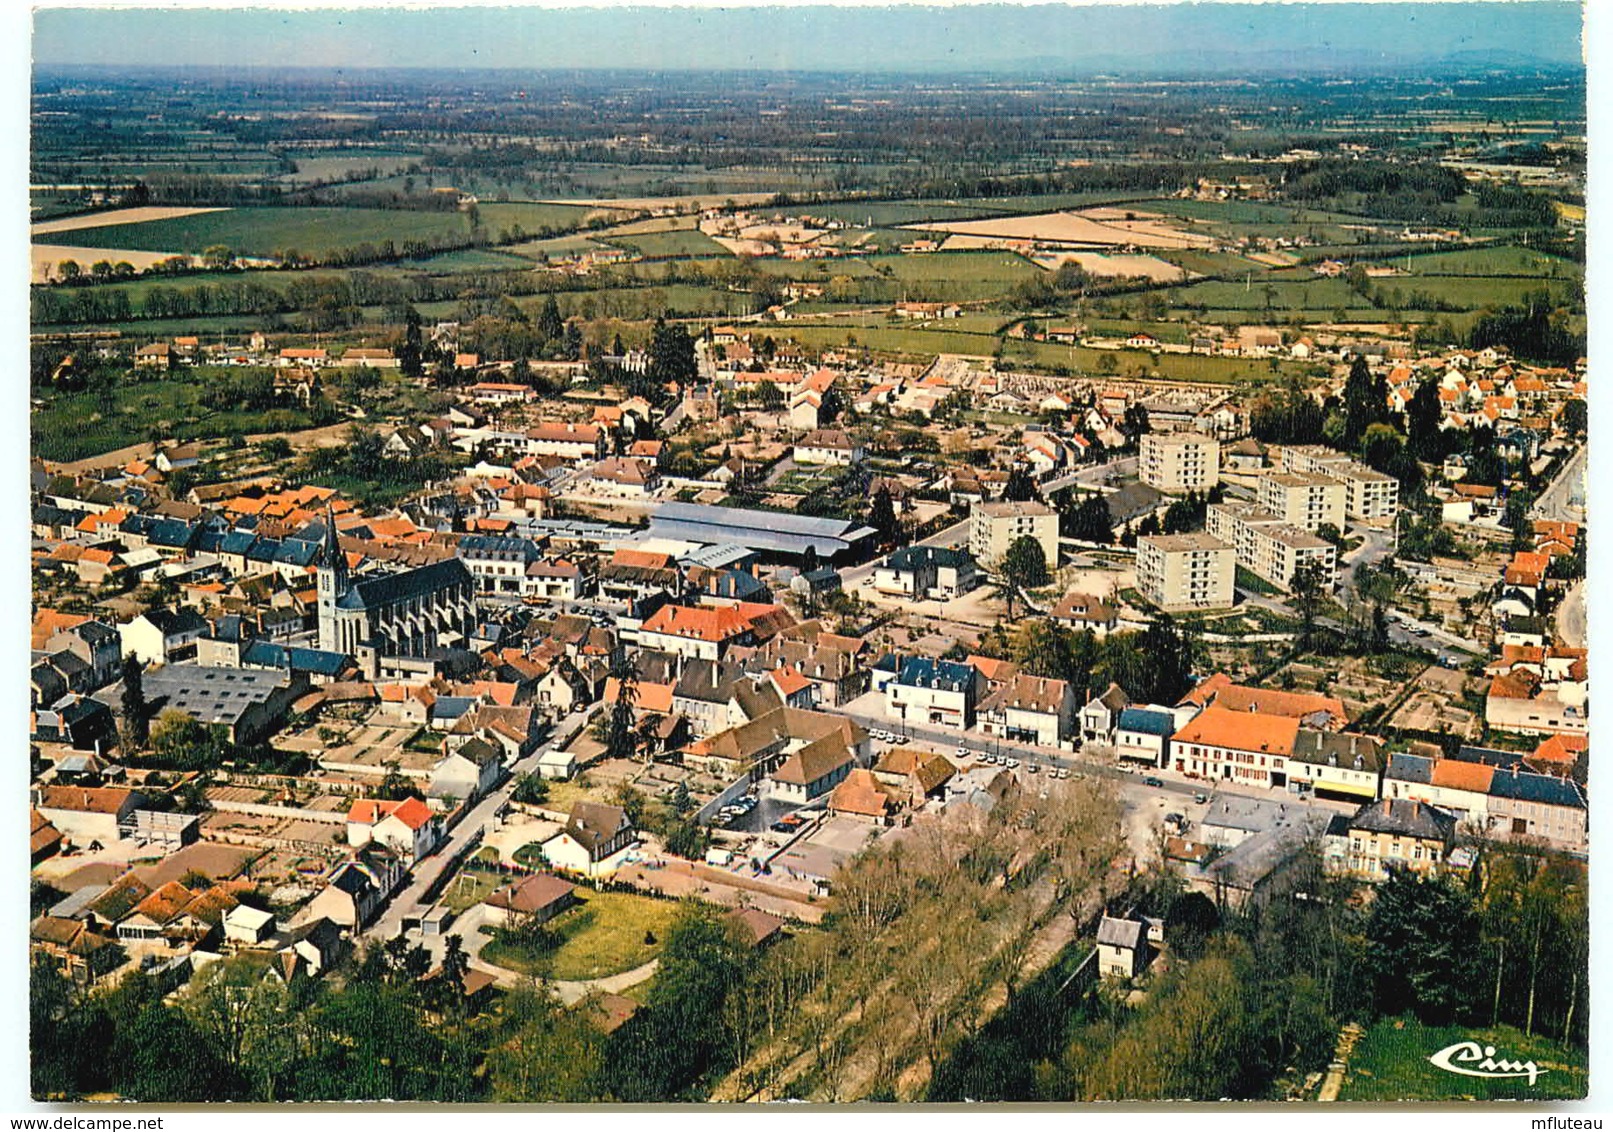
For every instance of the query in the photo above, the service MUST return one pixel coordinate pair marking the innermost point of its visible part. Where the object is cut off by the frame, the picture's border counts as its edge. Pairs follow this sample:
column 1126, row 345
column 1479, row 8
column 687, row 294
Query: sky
column 1083, row 36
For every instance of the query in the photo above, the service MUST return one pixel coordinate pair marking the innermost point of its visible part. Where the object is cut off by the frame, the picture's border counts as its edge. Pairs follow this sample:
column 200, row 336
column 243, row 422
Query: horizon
column 1051, row 40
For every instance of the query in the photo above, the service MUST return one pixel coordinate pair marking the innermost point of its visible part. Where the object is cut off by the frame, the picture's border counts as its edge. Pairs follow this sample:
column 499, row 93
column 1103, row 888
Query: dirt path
column 1340, row 1063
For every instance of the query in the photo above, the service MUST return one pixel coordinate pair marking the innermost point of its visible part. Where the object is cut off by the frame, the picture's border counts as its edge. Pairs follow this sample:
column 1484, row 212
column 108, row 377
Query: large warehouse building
column 771, row 534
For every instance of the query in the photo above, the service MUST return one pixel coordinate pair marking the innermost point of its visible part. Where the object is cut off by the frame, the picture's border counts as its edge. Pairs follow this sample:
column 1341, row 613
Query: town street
column 408, row 903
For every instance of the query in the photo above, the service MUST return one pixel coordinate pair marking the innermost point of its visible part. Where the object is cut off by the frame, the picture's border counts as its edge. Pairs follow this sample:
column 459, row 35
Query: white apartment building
column 994, row 527
column 1265, row 545
column 1368, row 494
column 1303, row 499
column 1179, row 462
column 1179, row 573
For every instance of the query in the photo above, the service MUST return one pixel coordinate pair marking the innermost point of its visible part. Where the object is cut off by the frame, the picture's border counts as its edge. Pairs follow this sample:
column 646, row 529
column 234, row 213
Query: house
column 163, row 635
column 314, row 946
column 1243, row 746
column 470, row 770
column 918, row 774
column 536, row 899
column 624, row 476
column 44, row 839
column 356, row 889
column 80, row 951
column 812, row 770
column 1336, row 765
column 1398, row 834
column 595, row 841
column 1084, row 612
column 408, row 828
column 756, row 927
column 1030, row 709
column 249, row 926
column 828, row 446
column 934, row 691
column 248, row 703
column 861, row 795
column 1142, row 734
column 1101, row 715
column 917, row 572
column 1122, row 948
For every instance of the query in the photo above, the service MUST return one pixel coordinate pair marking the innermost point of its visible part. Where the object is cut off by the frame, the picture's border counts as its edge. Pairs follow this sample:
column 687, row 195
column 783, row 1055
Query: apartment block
column 997, row 526
column 1303, row 499
column 1179, row 573
column 1368, row 494
column 1179, row 462
column 1268, row 547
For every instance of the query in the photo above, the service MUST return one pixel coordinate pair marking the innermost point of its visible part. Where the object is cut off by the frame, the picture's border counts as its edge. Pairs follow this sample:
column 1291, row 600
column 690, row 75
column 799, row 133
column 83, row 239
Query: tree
column 1421, row 936
column 679, row 1035
column 1020, row 487
column 1023, row 567
column 1574, row 416
column 618, row 730
column 1309, row 587
column 672, row 357
column 1362, row 404
column 1423, row 415
column 531, row 790
column 882, row 516
column 132, row 708
column 411, row 357
column 770, row 397
column 551, row 326
column 1089, row 520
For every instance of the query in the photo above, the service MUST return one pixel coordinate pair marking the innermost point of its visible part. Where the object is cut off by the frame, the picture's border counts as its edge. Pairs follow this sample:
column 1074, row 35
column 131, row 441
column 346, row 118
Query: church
column 386, row 621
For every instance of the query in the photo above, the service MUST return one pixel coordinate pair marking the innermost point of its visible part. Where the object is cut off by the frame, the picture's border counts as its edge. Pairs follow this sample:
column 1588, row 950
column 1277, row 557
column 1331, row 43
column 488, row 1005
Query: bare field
column 1075, row 228
column 116, row 216
column 1108, row 266
column 44, row 257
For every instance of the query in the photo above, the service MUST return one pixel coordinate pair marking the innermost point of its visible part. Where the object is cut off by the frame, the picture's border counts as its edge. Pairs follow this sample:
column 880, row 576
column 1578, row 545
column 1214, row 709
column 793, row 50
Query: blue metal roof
column 947, row 675
column 264, row 550
column 237, row 542
column 1146, row 722
column 267, row 654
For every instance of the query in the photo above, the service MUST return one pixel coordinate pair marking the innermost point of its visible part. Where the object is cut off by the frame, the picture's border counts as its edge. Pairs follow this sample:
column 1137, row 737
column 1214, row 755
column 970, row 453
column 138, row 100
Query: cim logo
column 1473, row 1060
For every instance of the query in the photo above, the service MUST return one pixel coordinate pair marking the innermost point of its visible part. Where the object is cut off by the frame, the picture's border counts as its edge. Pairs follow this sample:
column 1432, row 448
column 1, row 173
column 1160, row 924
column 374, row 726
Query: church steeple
column 332, row 580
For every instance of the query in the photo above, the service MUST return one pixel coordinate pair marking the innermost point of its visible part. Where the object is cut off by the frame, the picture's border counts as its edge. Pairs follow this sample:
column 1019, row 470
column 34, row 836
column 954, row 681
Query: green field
column 670, row 245
column 1390, row 1063
column 271, row 232
column 1495, row 261
column 470, row 259
column 73, row 426
column 275, row 231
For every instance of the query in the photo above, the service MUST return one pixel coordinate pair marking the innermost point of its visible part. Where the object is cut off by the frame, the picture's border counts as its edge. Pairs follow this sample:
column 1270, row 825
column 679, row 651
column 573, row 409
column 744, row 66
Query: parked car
column 1152, row 781
column 1201, row 799
column 1012, row 764
column 1032, row 768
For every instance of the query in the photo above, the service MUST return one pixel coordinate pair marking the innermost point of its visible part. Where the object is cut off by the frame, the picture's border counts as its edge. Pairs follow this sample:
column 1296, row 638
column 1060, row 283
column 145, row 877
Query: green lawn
column 470, row 887
column 604, row 936
column 1390, row 1063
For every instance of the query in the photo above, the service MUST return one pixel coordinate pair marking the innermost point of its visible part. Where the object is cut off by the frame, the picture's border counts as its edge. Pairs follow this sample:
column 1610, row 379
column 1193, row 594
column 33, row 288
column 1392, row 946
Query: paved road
column 1564, row 499
column 1377, row 544
column 1093, row 476
column 408, row 904
column 1131, row 781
